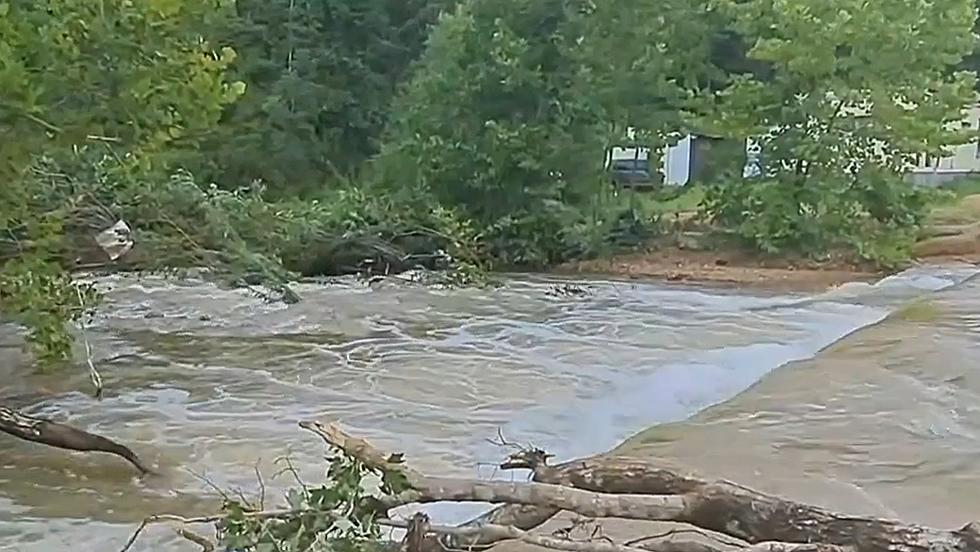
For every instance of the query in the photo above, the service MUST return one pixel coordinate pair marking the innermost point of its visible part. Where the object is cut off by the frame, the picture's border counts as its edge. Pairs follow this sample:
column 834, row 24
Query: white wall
column 965, row 158
column 677, row 163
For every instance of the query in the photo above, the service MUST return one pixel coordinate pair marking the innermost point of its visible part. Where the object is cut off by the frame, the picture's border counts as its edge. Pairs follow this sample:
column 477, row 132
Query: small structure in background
column 964, row 161
column 630, row 167
column 700, row 158
column 694, row 158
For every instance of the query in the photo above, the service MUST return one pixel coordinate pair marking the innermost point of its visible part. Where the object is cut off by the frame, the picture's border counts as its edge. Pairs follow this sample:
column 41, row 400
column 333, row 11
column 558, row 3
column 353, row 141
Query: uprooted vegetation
column 355, row 502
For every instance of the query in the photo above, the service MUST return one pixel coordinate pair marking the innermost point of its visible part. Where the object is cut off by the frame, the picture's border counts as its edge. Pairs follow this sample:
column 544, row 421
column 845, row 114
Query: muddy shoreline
column 951, row 234
column 740, row 270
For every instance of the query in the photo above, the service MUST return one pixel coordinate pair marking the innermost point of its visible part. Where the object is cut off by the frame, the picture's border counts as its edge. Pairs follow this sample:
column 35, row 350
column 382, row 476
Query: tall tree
column 487, row 123
column 849, row 95
column 321, row 76
column 850, row 84
column 645, row 65
column 516, row 101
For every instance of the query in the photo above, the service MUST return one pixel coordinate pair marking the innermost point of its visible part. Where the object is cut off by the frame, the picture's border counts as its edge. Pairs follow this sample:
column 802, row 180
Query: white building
column 964, row 160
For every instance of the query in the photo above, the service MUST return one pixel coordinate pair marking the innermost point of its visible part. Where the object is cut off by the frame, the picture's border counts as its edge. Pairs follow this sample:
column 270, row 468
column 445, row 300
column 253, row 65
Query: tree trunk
column 634, row 489
column 752, row 516
column 63, row 436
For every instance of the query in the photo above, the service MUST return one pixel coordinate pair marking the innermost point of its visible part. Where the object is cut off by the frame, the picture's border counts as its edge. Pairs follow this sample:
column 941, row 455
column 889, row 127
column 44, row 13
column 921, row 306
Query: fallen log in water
column 54, row 434
column 726, row 517
column 633, row 489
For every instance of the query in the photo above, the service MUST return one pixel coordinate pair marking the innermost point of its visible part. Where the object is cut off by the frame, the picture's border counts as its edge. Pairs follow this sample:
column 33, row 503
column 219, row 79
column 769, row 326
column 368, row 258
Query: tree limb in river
column 54, row 434
column 729, row 508
column 501, row 532
column 628, row 488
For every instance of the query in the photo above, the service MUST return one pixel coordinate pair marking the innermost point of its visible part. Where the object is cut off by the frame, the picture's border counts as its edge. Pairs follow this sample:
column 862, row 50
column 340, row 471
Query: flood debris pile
column 344, row 514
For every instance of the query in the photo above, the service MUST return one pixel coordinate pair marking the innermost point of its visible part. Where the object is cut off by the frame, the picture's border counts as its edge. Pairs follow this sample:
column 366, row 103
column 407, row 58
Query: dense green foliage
column 269, row 139
column 852, row 95
column 132, row 76
column 335, row 515
column 321, row 75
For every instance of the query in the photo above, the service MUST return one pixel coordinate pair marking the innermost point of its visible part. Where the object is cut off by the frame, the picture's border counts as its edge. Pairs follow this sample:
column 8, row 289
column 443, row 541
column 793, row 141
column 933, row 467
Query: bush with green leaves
column 844, row 97
column 874, row 218
column 338, row 514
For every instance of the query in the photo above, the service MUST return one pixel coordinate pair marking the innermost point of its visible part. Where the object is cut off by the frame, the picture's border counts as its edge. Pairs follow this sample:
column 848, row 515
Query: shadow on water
column 209, row 383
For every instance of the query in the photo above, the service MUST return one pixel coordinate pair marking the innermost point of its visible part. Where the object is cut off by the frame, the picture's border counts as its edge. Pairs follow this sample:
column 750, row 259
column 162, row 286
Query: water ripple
column 209, row 380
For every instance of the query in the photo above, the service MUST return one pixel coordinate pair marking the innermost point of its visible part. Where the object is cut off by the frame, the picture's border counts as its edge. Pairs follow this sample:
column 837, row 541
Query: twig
column 48, row 126
column 211, row 484
column 290, row 469
column 258, row 476
column 501, row 441
column 205, row 544
column 164, row 518
column 136, row 534
column 93, row 372
column 726, row 540
column 97, row 138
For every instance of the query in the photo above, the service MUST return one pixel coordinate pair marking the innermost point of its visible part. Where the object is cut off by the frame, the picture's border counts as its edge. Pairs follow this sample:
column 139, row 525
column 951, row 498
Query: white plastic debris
column 116, row 240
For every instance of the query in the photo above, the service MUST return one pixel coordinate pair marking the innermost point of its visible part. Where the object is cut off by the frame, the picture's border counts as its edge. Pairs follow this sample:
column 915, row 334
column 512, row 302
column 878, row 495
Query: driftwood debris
column 633, row 489
column 54, row 434
column 725, row 517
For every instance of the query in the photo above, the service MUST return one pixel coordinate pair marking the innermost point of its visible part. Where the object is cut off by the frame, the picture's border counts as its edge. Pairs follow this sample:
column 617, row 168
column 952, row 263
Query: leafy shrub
column 337, row 515
column 874, row 217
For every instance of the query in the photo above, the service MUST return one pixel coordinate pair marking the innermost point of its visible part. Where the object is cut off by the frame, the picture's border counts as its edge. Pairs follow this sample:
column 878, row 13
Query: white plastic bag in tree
column 116, row 240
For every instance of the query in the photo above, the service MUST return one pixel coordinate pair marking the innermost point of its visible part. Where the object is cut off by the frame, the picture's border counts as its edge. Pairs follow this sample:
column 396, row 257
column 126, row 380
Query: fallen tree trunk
column 729, row 508
column 628, row 488
column 46, row 432
column 501, row 532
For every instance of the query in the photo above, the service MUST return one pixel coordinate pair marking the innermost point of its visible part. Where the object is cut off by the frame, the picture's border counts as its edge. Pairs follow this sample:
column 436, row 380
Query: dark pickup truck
column 631, row 172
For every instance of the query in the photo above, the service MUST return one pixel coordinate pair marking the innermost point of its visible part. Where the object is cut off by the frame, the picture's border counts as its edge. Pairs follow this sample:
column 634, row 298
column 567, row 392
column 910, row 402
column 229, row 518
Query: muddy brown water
column 830, row 398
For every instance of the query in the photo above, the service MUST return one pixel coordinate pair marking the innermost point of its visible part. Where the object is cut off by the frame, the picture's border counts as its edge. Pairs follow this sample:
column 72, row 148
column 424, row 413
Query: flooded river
column 830, row 398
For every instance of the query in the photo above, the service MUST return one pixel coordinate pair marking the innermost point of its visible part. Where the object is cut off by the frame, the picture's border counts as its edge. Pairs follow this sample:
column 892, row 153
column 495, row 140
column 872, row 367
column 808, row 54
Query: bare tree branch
column 631, row 489
column 733, row 509
column 625, row 488
column 54, row 434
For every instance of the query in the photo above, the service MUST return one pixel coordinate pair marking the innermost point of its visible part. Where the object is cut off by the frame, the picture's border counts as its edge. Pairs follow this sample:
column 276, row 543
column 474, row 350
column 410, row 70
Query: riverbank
column 952, row 234
column 733, row 268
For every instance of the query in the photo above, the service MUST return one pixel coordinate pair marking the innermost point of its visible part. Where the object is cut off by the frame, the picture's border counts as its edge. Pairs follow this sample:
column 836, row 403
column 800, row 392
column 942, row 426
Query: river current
column 834, row 398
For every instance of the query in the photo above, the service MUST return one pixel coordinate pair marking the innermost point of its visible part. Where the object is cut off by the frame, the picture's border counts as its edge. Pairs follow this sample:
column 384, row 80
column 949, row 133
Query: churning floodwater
column 209, row 383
